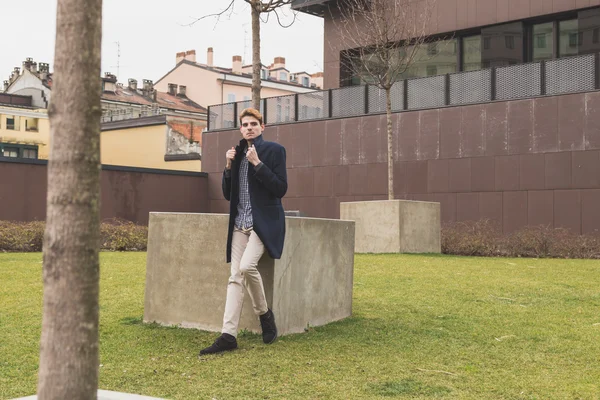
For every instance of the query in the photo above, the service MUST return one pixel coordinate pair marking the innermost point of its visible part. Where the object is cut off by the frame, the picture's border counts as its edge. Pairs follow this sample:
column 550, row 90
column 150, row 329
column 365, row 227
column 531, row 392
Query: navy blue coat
column 267, row 185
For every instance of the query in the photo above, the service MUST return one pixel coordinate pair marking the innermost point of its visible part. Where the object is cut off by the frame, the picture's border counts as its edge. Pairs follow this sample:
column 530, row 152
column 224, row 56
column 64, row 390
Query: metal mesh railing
column 565, row 75
column 471, row 87
column 427, row 92
column 568, row 75
column 222, row 116
column 281, row 109
column 313, row 105
column 377, row 98
column 348, row 101
column 518, row 81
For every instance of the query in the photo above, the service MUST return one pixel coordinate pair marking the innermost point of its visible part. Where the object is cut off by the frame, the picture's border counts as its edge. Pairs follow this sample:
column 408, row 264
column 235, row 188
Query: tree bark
column 256, row 63
column 69, row 343
column 390, row 141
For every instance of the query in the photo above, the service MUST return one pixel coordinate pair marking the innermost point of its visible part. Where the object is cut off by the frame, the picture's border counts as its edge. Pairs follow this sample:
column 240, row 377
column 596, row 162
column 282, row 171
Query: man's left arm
column 273, row 177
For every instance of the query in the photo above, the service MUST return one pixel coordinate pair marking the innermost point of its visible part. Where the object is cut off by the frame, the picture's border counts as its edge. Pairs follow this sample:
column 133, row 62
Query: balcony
column 547, row 78
column 314, row 7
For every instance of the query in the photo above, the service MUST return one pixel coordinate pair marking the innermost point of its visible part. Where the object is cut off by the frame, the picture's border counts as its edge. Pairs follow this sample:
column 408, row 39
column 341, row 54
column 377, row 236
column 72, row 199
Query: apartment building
column 209, row 84
column 141, row 127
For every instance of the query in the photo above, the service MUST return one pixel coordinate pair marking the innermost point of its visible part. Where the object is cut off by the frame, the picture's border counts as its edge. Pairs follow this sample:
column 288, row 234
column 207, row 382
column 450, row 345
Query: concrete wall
column 449, row 16
column 127, row 193
column 534, row 161
column 186, row 274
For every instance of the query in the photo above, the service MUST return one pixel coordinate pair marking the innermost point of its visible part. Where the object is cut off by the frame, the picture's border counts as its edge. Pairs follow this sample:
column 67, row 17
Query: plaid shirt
column 243, row 220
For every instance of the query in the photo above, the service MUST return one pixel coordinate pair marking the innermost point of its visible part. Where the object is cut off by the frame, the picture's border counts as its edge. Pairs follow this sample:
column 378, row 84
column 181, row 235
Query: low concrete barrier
column 186, row 276
column 395, row 226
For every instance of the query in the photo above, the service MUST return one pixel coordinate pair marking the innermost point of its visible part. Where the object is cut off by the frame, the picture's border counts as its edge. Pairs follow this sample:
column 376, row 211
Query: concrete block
column 186, row 275
column 395, row 226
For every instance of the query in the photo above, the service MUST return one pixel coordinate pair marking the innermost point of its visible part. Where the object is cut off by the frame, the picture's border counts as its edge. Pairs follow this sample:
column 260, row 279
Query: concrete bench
column 395, row 226
column 186, row 276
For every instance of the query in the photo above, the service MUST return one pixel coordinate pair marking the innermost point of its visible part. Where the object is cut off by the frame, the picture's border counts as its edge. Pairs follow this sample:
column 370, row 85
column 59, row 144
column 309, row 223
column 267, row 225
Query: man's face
column 251, row 128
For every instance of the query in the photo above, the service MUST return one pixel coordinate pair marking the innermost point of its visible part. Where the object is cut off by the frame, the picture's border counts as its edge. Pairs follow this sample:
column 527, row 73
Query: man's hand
column 252, row 156
column 230, row 155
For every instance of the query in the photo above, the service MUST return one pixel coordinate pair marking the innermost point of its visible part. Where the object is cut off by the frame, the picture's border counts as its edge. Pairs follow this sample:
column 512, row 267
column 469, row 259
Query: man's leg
column 235, row 299
column 252, row 279
column 254, row 285
column 235, row 288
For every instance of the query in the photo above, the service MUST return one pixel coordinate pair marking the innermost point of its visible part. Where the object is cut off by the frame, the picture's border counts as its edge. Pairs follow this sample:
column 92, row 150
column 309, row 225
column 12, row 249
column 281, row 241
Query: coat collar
column 257, row 142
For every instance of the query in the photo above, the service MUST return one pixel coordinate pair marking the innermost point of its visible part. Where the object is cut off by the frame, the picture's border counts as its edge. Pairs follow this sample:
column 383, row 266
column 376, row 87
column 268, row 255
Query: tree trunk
column 256, row 64
column 69, row 344
column 390, row 141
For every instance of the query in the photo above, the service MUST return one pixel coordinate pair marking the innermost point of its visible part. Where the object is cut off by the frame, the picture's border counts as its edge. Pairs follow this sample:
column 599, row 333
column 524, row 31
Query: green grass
column 423, row 327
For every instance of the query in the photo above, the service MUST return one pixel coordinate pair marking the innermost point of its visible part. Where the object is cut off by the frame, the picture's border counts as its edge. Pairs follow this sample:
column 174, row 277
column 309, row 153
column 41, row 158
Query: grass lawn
column 423, row 327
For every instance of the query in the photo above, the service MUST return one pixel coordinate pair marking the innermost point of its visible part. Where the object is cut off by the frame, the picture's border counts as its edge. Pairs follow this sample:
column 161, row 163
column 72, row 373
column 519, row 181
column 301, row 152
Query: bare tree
column 69, row 344
column 384, row 37
column 257, row 8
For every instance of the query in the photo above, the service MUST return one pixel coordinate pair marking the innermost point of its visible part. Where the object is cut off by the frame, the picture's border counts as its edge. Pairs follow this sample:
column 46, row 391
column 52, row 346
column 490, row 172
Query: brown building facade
column 496, row 32
column 522, row 162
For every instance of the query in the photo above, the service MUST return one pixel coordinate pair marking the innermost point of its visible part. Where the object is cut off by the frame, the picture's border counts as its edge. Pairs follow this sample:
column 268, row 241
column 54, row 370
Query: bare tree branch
column 279, row 20
column 218, row 15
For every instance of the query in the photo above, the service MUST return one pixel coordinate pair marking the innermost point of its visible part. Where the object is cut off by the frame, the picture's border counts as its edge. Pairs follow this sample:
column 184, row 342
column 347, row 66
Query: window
column 305, row 81
column 10, row 123
column 263, row 74
column 432, row 49
column 543, row 43
column 231, row 98
column 596, row 35
column 10, row 152
column 31, row 124
column 425, row 64
column 18, row 151
column 568, row 38
column 246, row 98
column 509, row 41
column 431, row 70
column 540, row 41
column 487, row 43
column 282, row 76
column 30, row 153
column 471, row 53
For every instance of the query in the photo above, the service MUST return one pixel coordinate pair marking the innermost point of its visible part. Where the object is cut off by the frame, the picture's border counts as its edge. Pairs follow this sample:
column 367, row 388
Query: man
column 254, row 181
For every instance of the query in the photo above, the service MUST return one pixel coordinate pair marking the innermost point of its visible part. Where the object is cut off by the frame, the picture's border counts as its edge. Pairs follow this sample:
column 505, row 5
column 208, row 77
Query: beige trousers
column 246, row 251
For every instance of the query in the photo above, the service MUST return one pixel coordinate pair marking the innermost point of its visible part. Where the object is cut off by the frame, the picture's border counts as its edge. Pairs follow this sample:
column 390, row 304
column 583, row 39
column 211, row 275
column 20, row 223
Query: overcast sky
column 150, row 32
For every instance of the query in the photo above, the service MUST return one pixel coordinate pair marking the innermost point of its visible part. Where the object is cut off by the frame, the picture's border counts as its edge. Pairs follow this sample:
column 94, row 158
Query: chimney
column 209, row 57
column 154, row 95
column 237, row 65
column 148, row 86
column 172, row 89
column 190, row 55
column 132, row 84
column 279, row 62
column 182, row 90
column 179, row 57
column 109, row 82
column 6, row 84
column 44, row 70
column 28, row 63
